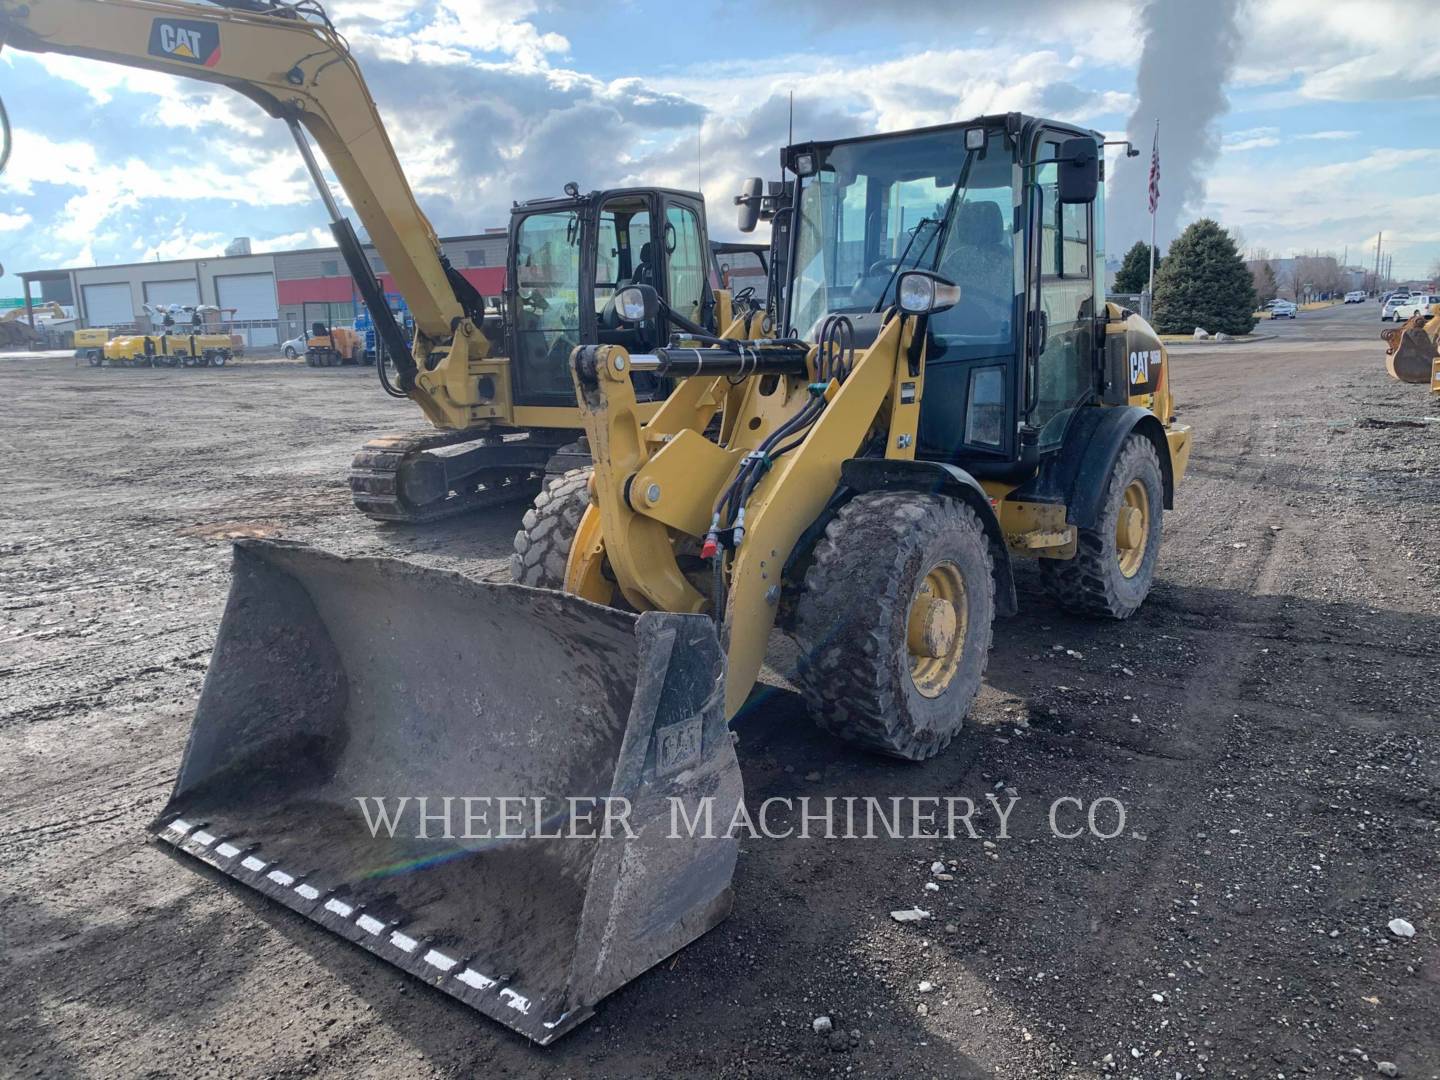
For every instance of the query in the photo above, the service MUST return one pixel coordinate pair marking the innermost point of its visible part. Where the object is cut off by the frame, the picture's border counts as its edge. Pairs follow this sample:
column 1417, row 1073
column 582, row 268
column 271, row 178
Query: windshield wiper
column 894, row 273
column 962, row 183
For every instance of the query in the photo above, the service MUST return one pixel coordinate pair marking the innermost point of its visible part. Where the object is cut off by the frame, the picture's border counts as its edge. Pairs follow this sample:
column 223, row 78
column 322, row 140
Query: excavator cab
column 569, row 256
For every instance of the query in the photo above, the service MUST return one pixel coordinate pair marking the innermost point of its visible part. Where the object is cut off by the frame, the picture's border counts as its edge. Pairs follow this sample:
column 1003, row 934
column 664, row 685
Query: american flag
column 1155, row 170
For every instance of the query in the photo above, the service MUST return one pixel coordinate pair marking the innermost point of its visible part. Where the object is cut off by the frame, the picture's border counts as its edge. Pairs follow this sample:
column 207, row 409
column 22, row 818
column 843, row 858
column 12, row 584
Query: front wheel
column 1114, row 564
column 290, row 353
column 547, row 532
column 894, row 622
column 218, row 359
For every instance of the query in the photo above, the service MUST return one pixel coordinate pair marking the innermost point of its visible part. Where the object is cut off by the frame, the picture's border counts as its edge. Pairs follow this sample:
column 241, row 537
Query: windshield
column 882, row 206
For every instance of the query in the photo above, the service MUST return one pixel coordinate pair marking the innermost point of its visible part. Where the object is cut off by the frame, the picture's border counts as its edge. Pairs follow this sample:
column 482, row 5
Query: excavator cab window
column 685, row 263
column 625, row 255
column 548, row 298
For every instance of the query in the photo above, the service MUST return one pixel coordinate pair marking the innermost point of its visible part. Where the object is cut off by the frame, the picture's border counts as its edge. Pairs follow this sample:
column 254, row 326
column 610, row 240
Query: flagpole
column 1155, row 153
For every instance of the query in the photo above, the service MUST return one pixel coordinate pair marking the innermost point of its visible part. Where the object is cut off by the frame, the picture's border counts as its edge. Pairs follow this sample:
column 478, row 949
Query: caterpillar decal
column 185, row 39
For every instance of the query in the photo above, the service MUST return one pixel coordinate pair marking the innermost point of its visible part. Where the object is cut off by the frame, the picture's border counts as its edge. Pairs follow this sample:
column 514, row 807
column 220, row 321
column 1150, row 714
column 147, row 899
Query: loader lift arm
column 290, row 60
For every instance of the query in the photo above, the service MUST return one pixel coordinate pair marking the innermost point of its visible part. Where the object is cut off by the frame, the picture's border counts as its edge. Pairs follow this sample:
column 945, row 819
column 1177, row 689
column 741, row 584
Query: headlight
column 630, row 303
column 922, row 293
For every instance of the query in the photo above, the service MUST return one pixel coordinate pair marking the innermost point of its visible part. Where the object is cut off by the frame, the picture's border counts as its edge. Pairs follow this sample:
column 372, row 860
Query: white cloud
column 1329, row 136
column 15, row 221
column 316, row 237
column 1341, row 50
column 1252, row 139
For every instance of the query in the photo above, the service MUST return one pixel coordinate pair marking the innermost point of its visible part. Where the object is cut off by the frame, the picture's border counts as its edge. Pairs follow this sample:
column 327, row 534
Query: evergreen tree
column 1204, row 283
column 1134, row 273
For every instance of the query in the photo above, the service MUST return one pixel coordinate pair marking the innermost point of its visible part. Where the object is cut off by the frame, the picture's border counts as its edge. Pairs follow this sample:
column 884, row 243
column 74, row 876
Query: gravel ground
column 1268, row 721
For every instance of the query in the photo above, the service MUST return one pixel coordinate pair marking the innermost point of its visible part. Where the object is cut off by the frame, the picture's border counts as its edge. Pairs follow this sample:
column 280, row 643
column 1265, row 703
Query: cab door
column 688, row 261
column 1060, row 370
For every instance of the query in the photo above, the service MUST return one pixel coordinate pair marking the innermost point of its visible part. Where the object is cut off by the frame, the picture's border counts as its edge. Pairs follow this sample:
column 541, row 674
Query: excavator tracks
column 397, row 478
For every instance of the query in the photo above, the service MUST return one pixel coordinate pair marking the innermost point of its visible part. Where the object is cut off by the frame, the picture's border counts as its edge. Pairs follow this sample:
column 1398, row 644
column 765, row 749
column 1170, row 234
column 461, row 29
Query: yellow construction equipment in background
column 330, row 346
column 174, row 345
column 1412, row 349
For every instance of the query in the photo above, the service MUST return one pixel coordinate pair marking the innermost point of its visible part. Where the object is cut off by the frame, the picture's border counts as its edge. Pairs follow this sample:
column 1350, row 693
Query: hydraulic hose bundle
column 834, row 360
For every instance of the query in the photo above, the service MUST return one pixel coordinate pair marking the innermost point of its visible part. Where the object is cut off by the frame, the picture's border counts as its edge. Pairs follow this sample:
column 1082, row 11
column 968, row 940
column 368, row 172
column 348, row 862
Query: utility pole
column 1378, row 238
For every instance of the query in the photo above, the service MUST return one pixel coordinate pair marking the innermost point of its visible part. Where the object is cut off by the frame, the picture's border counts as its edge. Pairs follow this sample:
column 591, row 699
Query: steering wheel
column 881, row 266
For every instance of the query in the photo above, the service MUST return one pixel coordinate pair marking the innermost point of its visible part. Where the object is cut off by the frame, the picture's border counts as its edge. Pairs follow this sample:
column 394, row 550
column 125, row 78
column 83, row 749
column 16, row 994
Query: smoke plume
column 1188, row 53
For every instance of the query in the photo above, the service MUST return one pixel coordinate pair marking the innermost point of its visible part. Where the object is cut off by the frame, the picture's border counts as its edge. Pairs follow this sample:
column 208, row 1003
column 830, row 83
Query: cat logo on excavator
column 183, row 39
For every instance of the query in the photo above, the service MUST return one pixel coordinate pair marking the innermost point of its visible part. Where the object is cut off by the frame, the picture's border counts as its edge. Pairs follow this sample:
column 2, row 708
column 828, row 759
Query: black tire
column 218, row 359
column 97, row 359
column 542, row 546
column 290, row 353
column 1092, row 583
column 851, row 621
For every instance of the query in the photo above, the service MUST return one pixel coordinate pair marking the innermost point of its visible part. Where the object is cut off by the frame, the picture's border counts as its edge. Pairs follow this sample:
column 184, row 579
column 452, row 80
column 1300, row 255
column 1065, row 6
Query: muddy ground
column 1269, row 721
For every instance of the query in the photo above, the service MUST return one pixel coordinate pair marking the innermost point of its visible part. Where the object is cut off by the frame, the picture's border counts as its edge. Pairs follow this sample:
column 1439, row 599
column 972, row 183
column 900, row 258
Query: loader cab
column 568, row 257
column 980, row 204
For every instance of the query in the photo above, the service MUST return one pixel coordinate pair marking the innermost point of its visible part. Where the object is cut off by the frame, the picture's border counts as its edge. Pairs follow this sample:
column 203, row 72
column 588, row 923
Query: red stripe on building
column 490, row 280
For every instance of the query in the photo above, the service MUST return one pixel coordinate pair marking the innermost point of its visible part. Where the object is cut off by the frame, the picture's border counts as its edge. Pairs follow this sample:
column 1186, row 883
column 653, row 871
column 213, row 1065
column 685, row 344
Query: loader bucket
column 336, row 682
column 1411, row 349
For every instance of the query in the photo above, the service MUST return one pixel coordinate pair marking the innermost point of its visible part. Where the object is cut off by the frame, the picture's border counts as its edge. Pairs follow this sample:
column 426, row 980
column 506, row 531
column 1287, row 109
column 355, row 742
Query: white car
column 1282, row 309
column 1387, row 310
column 1356, row 297
column 294, row 348
column 1415, row 304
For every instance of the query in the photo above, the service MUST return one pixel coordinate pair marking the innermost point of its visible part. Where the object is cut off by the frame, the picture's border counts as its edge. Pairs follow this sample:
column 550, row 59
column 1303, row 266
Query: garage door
column 184, row 291
column 108, row 305
column 253, row 298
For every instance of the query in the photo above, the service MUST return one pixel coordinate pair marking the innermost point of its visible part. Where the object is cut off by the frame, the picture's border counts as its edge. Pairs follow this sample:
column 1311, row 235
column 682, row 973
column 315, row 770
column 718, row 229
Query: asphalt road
column 1268, row 721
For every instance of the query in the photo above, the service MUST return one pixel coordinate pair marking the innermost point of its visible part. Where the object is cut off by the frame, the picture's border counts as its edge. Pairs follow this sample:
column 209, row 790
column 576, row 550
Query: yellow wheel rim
column 1132, row 528
column 935, row 629
column 584, row 569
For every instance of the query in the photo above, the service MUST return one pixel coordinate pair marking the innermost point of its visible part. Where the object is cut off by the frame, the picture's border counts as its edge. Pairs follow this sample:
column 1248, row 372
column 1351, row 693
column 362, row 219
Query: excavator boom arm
column 295, row 69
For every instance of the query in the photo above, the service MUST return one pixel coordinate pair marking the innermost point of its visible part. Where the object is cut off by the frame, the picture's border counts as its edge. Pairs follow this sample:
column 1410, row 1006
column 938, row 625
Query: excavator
column 527, row 794
column 15, row 330
column 488, row 373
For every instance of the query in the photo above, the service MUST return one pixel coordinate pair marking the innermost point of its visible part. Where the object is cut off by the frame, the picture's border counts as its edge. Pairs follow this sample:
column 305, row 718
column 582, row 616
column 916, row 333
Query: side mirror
column 1079, row 175
column 637, row 303
column 921, row 292
column 748, row 201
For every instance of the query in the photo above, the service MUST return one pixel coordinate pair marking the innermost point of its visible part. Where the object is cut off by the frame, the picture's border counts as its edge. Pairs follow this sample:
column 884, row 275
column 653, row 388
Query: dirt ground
column 1269, row 721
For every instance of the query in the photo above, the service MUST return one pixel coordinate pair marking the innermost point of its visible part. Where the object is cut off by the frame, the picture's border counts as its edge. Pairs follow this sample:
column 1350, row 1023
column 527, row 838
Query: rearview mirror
column 637, row 303
column 1079, row 165
column 749, row 203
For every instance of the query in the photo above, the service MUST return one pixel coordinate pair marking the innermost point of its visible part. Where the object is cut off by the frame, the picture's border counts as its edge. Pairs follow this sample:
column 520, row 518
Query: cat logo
column 183, row 39
column 1140, row 364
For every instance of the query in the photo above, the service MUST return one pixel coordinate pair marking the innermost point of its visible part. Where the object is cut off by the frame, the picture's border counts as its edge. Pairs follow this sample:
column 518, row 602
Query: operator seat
column 980, row 259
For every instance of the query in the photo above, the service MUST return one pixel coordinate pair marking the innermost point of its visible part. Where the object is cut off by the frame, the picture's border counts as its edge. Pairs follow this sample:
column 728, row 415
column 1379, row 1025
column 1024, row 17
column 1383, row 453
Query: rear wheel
column 894, row 622
column 547, row 532
column 1114, row 564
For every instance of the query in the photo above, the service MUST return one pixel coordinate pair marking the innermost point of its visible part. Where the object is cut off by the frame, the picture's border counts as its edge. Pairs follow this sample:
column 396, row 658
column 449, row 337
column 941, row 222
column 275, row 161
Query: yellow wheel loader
column 489, row 373
column 521, row 795
column 949, row 391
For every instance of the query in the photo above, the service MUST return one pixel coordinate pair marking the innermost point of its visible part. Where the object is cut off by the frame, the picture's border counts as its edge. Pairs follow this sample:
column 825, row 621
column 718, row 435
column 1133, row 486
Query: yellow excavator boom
column 300, row 71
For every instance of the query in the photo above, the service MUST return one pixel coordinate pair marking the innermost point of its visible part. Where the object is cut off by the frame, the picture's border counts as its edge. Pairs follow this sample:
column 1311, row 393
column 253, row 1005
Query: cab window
column 685, row 262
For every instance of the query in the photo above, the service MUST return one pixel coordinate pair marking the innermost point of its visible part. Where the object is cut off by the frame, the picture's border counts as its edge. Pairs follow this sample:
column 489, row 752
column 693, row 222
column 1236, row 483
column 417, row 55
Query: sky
column 1300, row 126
